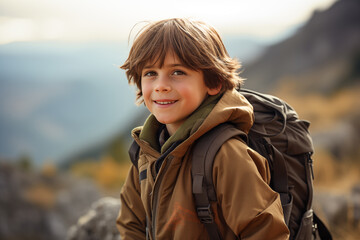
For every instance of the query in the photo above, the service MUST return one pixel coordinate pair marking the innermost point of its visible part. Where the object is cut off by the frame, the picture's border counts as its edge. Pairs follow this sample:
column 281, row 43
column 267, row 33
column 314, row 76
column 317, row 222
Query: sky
column 113, row 20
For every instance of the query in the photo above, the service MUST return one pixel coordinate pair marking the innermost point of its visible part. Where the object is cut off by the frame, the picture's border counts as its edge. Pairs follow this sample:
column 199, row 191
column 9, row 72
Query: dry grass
column 338, row 176
column 41, row 195
column 107, row 173
column 347, row 233
column 322, row 111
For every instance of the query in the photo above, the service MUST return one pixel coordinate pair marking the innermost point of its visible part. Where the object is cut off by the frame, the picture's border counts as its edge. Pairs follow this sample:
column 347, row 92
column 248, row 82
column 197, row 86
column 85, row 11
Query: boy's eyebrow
column 169, row 65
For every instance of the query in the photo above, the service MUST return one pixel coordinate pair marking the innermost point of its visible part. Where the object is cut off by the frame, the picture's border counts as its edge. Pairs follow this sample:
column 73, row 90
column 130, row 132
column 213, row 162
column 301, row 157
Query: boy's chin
column 162, row 121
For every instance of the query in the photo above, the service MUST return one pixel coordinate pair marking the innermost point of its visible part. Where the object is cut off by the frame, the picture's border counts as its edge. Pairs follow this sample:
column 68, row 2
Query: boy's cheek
column 147, row 103
column 146, row 92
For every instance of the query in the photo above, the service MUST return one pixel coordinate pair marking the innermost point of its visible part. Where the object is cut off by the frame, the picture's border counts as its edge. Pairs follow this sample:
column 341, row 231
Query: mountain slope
column 317, row 57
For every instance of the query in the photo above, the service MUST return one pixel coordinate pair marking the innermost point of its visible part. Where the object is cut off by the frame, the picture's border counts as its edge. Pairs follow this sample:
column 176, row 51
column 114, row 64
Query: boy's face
column 173, row 91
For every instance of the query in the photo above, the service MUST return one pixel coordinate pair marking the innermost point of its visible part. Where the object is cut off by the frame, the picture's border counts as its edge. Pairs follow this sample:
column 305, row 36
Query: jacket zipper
column 156, row 195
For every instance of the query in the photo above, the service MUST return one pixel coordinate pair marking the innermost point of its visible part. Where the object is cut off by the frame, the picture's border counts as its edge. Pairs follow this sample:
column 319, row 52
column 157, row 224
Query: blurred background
column 66, row 110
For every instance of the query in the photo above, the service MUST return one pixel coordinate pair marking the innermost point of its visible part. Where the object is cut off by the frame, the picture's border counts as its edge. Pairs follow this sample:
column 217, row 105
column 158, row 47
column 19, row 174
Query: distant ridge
column 120, row 140
column 317, row 57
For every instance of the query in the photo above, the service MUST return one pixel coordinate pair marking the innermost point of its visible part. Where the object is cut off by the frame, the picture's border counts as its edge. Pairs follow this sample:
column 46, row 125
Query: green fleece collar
column 151, row 127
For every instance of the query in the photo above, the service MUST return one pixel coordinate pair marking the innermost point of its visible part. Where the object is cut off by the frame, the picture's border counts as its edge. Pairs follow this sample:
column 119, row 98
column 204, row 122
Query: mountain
column 317, row 57
column 57, row 97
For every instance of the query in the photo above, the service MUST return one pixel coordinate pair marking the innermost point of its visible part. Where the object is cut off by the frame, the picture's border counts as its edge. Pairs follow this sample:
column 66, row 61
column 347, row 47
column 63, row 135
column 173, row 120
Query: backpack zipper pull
column 310, row 162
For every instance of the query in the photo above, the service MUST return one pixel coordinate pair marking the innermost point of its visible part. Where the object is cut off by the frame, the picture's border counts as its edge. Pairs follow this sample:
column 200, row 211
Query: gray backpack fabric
column 283, row 139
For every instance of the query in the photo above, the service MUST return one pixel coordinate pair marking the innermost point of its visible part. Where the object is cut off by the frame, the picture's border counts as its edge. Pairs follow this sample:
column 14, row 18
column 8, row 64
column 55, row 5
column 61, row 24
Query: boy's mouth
column 165, row 102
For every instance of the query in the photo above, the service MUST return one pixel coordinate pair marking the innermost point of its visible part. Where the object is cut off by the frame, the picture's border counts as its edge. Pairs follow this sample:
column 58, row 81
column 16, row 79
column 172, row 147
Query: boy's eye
column 179, row 72
column 149, row 74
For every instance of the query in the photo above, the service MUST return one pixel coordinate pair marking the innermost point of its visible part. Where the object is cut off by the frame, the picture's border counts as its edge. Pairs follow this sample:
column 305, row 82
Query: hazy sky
column 89, row 20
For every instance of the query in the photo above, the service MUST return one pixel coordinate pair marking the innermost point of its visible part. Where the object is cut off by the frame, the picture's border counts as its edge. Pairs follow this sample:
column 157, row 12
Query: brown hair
column 197, row 45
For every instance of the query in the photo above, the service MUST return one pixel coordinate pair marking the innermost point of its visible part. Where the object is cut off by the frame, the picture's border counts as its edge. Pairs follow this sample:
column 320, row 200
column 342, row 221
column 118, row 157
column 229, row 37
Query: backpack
column 284, row 140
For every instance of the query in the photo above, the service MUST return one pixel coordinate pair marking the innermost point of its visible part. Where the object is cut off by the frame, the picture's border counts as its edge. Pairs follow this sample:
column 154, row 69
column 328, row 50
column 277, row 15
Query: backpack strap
column 134, row 153
column 323, row 231
column 279, row 173
column 280, row 182
column 203, row 155
column 134, row 157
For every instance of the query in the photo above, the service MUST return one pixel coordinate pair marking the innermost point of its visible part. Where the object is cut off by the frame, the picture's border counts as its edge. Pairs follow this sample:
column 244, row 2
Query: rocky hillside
column 322, row 56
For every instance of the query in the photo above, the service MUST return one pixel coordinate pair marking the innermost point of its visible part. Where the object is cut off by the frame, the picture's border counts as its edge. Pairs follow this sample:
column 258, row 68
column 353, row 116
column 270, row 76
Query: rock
column 332, row 207
column 341, row 140
column 32, row 207
column 98, row 223
column 338, row 208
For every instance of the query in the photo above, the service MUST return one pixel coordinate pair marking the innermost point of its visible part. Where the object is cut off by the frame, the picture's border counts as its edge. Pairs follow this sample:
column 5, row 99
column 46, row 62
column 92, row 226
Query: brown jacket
column 247, row 207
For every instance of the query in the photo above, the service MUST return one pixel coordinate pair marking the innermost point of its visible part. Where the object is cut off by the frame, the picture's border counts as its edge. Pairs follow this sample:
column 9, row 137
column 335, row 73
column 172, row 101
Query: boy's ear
column 214, row 91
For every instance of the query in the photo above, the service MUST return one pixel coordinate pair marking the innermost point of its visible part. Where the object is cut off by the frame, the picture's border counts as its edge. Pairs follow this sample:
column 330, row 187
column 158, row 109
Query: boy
column 187, row 80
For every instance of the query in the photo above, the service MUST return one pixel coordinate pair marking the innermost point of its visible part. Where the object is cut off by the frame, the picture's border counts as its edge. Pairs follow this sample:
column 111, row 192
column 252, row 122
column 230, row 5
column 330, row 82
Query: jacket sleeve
column 249, row 206
column 131, row 221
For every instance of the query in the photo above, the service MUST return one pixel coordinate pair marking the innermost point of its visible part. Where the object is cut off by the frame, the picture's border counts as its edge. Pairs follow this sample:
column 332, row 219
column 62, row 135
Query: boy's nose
column 162, row 84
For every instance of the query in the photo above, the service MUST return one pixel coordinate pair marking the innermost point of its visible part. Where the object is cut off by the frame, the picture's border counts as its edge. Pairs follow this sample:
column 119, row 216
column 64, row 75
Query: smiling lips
column 165, row 102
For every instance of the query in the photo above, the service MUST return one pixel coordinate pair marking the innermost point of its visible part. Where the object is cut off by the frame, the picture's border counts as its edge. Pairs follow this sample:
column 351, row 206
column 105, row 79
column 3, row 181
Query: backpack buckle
column 205, row 214
column 314, row 229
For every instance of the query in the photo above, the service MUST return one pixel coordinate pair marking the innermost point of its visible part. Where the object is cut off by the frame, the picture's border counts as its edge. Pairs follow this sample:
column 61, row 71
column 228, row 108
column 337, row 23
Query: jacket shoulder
column 235, row 155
